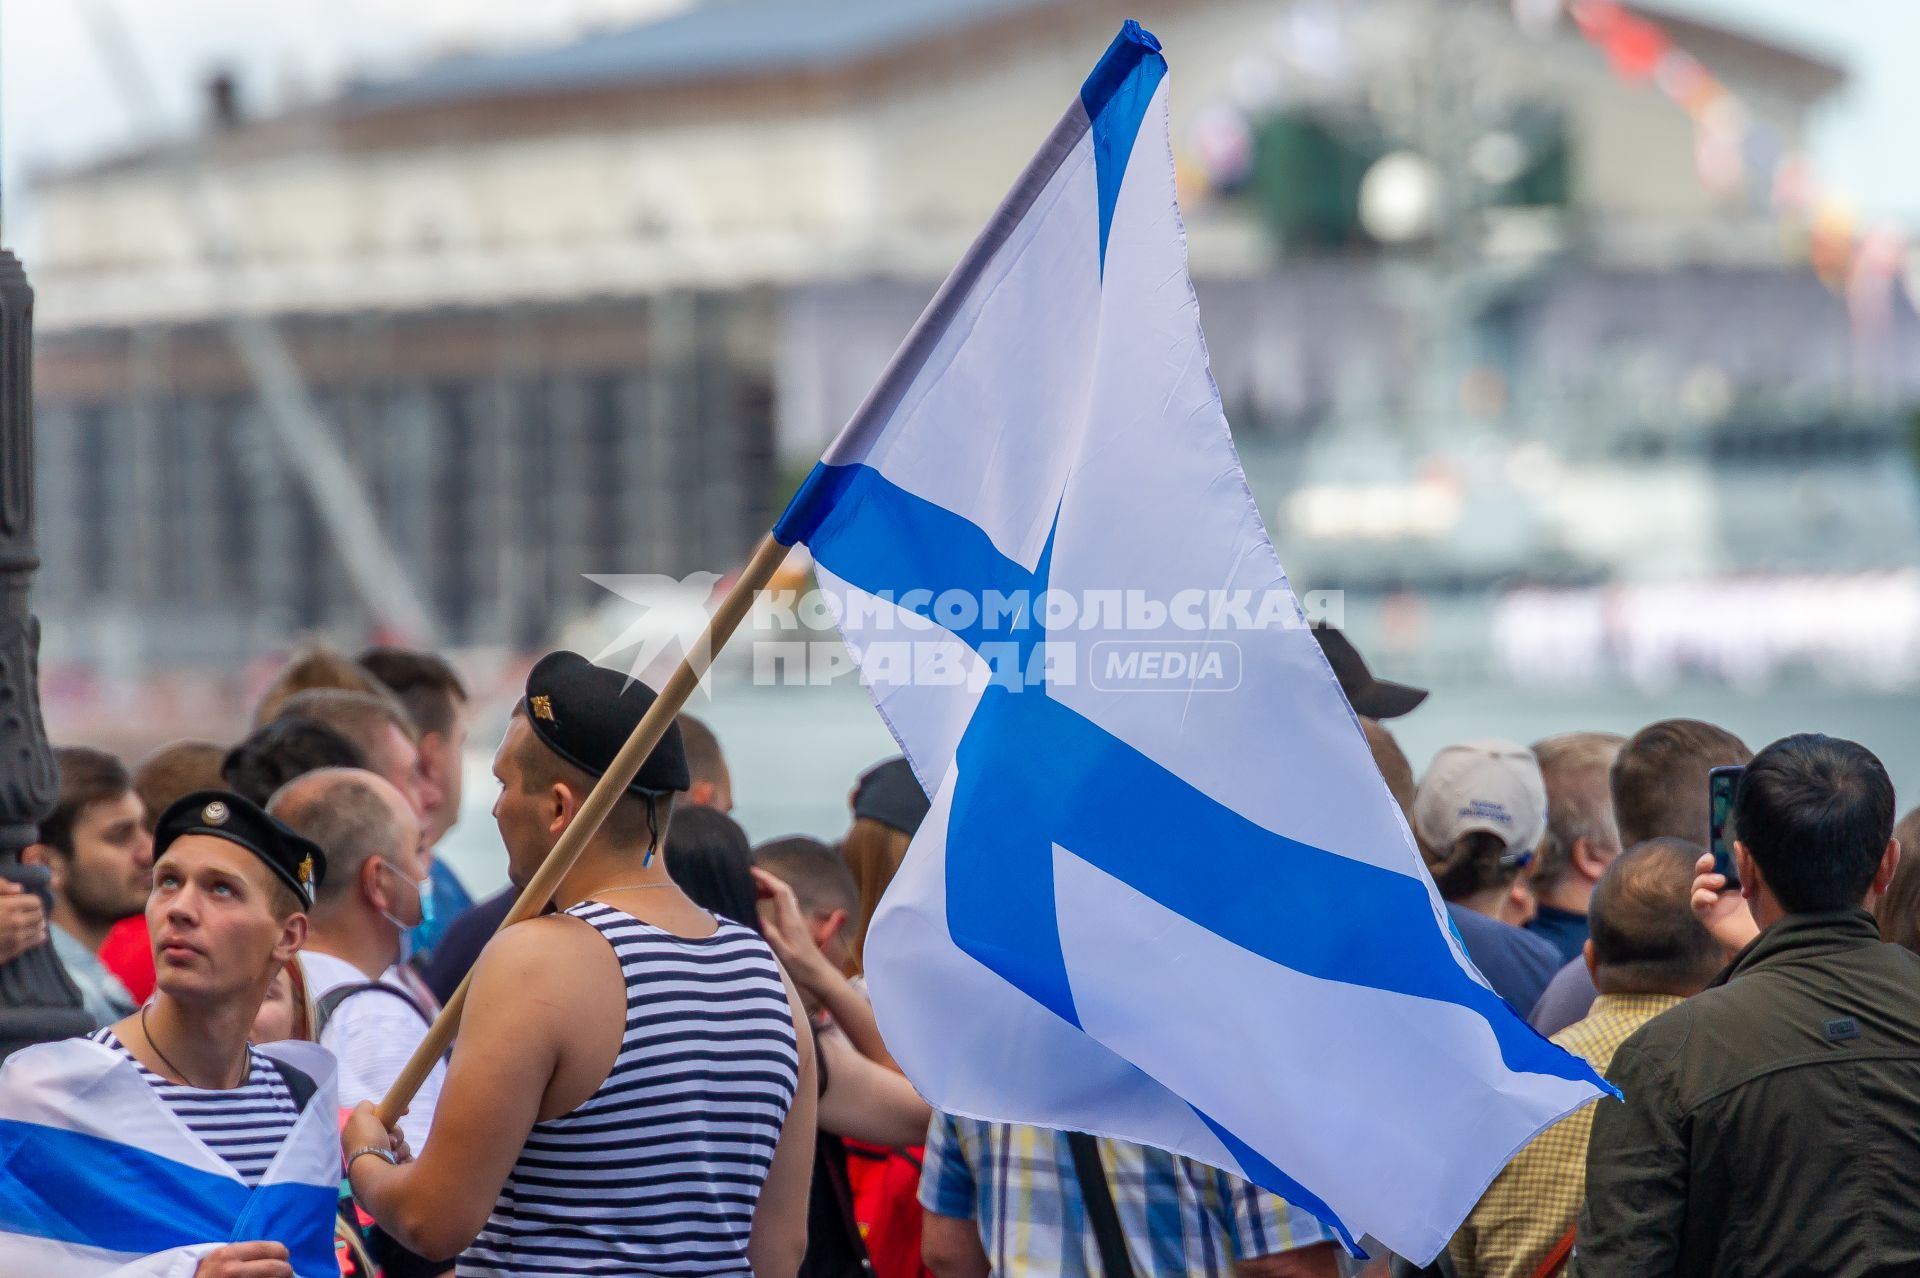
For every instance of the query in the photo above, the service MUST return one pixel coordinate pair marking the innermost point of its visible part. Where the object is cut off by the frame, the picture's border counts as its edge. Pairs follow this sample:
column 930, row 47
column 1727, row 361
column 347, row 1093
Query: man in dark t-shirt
column 1516, row 963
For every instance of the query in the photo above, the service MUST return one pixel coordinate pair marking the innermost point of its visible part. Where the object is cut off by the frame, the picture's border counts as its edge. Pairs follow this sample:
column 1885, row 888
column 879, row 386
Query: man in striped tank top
column 632, row 1091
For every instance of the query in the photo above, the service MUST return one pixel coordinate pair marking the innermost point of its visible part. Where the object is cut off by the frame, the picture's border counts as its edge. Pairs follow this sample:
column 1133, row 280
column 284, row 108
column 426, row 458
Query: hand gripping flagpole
column 606, row 791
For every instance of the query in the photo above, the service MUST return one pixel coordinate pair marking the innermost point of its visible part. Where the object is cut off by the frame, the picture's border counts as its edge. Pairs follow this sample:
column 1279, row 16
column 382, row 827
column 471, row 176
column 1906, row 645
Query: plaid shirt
column 1534, row 1200
column 1180, row 1217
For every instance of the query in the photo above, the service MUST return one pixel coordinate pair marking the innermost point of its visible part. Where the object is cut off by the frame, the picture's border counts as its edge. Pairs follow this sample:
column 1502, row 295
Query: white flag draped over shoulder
column 1162, row 893
column 98, row 1179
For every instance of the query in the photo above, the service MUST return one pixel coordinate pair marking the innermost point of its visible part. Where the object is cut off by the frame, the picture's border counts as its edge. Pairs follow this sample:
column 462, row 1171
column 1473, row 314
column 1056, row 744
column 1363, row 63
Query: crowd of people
column 674, row 1069
column 1761, row 1025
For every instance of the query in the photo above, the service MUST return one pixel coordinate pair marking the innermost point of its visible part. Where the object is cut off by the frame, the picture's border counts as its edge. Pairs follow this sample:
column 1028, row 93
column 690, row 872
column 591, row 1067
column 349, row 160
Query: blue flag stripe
column 1116, row 95
column 859, row 513
column 1035, row 772
column 1261, row 1171
column 74, row 1188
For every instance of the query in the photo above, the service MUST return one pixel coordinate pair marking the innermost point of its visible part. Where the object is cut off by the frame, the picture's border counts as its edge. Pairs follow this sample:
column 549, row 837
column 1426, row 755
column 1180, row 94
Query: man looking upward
column 166, row 1146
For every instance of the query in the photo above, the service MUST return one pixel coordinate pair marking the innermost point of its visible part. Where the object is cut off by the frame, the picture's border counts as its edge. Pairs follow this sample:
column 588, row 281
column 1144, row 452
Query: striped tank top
column 245, row 1125
column 658, row 1171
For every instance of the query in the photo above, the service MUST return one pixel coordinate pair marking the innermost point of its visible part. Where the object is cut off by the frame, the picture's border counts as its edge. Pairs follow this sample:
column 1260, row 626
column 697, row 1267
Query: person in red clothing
column 888, row 806
column 128, row 954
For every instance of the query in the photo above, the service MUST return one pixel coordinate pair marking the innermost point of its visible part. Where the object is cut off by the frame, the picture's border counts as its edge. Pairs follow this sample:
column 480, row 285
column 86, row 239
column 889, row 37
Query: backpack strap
column 327, row 1004
column 1097, row 1196
column 299, row 1085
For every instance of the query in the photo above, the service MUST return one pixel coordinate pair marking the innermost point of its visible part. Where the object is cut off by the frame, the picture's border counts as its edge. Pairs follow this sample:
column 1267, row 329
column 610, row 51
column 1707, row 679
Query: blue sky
column 1863, row 141
column 56, row 105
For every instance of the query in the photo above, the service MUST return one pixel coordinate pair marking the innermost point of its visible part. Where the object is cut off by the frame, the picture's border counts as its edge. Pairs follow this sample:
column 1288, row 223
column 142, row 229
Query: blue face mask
column 422, row 894
column 425, row 890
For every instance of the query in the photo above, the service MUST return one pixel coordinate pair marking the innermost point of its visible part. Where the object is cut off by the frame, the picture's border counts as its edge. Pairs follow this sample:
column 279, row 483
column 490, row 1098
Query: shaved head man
column 367, row 1016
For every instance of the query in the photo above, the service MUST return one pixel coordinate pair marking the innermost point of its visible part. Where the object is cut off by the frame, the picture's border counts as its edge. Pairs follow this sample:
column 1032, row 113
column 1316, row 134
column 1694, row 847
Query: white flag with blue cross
column 1162, row 893
column 98, row 1178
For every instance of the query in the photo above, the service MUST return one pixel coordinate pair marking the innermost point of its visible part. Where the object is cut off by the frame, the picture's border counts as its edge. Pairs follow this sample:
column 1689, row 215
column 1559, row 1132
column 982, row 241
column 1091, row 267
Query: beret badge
column 585, row 714
column 214, row 813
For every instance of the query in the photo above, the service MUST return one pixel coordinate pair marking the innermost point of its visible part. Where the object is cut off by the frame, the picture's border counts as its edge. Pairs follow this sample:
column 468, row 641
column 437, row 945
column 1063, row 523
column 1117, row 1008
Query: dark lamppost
column 38, row 1001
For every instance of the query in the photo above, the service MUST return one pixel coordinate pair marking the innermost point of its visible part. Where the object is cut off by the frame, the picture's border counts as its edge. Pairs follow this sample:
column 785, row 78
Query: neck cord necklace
column 638, row 887
column 181, row 1073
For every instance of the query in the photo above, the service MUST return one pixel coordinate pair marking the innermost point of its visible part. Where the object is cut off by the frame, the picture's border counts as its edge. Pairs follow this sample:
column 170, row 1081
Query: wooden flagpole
column 766, row 559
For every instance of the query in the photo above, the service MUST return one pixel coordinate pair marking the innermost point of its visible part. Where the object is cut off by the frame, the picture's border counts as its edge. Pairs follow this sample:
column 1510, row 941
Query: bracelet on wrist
column 385, row 1155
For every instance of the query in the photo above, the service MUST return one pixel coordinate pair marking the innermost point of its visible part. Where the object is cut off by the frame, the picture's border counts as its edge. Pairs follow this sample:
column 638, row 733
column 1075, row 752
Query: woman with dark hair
column 278, row 752
column 888, row 806
column 709, row 857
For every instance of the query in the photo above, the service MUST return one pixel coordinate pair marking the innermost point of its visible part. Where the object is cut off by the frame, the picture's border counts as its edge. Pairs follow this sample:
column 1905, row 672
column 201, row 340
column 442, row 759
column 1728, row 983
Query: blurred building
column 583, row 309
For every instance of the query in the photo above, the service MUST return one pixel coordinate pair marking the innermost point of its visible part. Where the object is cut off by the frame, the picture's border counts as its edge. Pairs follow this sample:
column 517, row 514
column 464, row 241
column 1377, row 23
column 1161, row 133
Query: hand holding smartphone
column 1721, row 784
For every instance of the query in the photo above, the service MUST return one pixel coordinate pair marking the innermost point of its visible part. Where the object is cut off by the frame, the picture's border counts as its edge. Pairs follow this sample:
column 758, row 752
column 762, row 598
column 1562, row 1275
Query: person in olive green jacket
column 1771, row 1124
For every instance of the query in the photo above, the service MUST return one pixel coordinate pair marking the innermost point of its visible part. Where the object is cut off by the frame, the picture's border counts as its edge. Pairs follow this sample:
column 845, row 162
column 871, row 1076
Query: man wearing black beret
column 174, row 1097
column 632, row 1089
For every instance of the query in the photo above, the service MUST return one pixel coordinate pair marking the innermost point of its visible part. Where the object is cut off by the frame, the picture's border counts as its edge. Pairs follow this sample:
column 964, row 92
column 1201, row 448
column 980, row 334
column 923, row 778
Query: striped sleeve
column 946, row 1181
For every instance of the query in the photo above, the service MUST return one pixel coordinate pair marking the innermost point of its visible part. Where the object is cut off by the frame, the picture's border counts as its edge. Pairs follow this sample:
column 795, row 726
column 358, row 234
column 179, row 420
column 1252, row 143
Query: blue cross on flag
column 98, row 1179
column 1162, row 894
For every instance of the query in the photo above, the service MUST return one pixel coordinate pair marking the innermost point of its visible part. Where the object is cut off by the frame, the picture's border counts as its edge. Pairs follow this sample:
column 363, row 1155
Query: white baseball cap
column 1492, row 785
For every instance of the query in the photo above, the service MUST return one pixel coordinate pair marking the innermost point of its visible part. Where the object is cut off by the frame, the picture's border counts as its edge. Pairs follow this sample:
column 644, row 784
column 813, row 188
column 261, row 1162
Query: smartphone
column 1721, row 783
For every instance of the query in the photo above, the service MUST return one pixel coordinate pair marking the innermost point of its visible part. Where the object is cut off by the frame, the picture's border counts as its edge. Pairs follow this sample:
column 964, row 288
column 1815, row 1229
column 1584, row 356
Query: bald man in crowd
column 365, row 1013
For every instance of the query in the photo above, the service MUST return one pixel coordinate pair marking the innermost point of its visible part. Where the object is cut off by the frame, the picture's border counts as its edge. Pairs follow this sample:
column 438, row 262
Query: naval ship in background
column 1748, row 545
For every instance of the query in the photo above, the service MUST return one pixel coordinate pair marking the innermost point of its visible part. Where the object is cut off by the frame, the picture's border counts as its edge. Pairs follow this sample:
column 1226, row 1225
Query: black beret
column 223, row 814
column 585, row 713
column 890, row 794
column 1375, row 698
